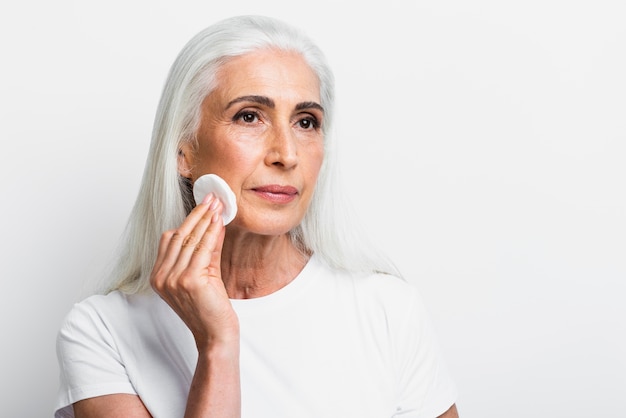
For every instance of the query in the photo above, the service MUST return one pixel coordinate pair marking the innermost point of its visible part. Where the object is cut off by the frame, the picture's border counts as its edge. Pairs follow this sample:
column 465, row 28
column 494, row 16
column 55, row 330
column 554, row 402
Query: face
column 261, row 131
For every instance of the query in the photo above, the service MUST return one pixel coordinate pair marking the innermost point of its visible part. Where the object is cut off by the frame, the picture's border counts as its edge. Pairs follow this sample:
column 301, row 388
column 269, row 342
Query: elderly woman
column 285, row 311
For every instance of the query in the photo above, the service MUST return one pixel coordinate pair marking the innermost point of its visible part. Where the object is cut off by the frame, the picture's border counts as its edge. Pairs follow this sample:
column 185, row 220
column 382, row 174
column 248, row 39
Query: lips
column 276, row 193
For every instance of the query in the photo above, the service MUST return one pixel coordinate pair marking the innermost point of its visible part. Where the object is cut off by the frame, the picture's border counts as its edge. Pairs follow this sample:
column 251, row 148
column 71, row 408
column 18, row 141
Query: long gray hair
column 164, row 199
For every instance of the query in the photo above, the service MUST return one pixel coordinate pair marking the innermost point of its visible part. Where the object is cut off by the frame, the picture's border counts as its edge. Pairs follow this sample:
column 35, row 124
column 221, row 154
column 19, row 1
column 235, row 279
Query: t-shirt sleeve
column 89, row 362
column 426, row 388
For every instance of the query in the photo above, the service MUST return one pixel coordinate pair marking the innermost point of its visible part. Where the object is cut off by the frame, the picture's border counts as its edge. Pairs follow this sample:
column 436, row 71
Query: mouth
column 276, row 193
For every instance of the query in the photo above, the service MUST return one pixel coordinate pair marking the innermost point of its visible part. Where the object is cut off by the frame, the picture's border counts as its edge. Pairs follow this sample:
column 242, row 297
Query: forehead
column 270, row 72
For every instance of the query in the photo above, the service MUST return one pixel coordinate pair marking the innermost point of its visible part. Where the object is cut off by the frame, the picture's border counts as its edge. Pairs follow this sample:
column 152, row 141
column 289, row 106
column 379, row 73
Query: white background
column 485, row 143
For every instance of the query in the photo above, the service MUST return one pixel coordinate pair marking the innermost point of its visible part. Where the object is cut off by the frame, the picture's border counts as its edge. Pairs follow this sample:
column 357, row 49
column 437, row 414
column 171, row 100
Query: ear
column 185, row 157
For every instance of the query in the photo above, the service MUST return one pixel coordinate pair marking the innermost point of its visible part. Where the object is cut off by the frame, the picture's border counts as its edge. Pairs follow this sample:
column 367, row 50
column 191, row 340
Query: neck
column 257, row 265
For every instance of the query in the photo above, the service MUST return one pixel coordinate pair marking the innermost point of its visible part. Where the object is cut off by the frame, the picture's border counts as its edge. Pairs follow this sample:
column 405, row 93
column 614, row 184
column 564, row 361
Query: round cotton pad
column 212, row 183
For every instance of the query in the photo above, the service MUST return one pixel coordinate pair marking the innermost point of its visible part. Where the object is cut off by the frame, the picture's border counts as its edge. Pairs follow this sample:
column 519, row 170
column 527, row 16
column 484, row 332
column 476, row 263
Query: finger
column 200, row 243
column 194, row 259
column 161, row 255
column 197, row 213
column 209, row 249
column 216, row 258
column 172, row 241
column 164, row 242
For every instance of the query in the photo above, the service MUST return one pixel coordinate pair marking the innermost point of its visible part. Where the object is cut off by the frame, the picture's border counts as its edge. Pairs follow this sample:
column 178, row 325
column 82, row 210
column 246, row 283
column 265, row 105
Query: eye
column 309, row 122
column 246, row 116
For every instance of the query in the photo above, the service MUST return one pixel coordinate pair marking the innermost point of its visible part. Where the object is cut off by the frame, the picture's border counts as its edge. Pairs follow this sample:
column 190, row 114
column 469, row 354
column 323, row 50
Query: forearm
column 215, row 389
column 450, row 413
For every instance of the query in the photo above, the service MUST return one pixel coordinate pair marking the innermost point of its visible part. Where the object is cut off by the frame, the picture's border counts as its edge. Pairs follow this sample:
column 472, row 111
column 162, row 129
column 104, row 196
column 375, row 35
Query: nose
column 282, row 148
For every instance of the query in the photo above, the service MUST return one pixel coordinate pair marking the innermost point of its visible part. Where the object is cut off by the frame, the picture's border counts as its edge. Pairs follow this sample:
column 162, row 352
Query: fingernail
column 207, row 198
column 215, row 204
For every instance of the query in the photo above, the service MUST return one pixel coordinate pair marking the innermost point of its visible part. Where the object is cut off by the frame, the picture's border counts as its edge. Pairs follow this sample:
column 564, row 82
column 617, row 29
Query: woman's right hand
column 187, row 276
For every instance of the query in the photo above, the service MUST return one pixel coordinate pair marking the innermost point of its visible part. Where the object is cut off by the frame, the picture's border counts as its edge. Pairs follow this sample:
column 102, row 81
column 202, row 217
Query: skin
column 261, row 132
column 264, row 123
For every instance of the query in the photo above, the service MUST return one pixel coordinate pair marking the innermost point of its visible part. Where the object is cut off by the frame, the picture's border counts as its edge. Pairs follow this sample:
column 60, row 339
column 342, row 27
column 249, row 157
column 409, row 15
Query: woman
column 277, row 314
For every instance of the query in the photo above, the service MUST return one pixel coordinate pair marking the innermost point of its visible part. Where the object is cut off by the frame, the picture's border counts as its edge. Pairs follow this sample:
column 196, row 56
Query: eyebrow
column 266, row 101
column 309, row 105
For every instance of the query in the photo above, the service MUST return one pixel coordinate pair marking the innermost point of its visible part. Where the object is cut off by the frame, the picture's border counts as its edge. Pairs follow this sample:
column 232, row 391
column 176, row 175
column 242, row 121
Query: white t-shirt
column 329, row 344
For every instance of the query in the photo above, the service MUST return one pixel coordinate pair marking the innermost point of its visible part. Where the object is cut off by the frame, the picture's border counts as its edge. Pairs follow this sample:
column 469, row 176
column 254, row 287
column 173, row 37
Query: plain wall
column 484, row 141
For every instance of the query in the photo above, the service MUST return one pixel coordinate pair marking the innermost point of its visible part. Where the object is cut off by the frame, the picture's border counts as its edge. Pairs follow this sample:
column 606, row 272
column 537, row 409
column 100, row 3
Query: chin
column 270, row 226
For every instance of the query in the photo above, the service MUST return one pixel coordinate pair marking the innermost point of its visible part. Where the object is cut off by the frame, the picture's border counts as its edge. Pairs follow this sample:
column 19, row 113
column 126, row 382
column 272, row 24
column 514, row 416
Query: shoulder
column 392, row 292
column 376, row 294
column 399, row 301
column 99, row 315
column 387, row 286
column 88, row 349
column 367, row 281
column 96, row 308
column 88, row 320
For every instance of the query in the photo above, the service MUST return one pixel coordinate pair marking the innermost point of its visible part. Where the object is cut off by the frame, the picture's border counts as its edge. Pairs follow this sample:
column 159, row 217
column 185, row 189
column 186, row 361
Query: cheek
column 313, row 164
column 233, row 163
column 317, row 157
column 222, row 154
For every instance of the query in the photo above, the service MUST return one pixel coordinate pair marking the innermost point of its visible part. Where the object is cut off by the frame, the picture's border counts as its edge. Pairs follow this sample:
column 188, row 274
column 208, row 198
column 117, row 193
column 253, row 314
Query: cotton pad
column 212, row 183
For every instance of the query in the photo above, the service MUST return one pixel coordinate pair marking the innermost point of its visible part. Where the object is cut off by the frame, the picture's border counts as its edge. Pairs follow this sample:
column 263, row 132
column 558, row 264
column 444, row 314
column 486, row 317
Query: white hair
column 164, row 198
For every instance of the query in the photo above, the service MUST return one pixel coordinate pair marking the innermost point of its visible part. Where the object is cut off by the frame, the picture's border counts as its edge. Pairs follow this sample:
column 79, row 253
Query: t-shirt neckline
column 284, row 295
